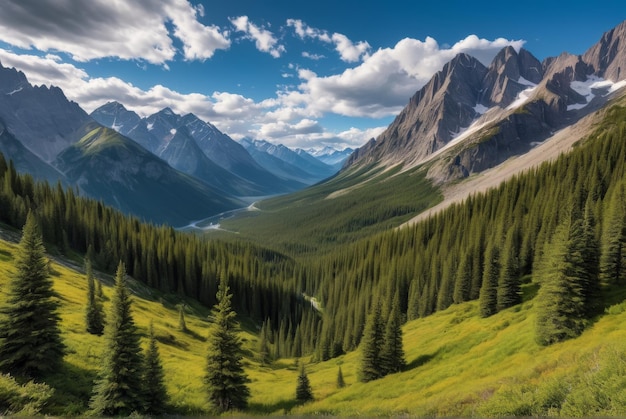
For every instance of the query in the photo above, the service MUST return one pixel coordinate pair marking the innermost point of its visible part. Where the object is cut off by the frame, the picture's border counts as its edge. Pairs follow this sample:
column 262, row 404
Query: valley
column 467, row 261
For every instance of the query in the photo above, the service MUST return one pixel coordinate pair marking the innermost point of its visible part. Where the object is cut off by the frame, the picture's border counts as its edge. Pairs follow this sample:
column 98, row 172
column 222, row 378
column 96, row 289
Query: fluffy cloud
column 110, row 28
column 282, row 129
column 263, row 39
column 305, row 31
column 383, row 83
column 352, row 137
column 311, row 56
column 348, row 51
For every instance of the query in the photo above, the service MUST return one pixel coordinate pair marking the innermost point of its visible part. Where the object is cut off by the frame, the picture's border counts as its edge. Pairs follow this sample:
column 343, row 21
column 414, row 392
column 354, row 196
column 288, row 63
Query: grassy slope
column 353, row 205
column 459, row 363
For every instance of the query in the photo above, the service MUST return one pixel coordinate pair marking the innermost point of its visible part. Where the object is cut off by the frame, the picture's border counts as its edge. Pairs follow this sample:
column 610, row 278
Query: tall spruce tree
column 303, row 388
column 263, row 348
column 561, row 301
column 463, row 282
column 392, row 354
column 371, row 346
column 155, row 394
column 591, row 261
column 509, row 291
column 225, row 379
column 341, row 383
column 182, row 324
column 30, row 338
column 119, row 390
column 613, row 256
column 94, row 315
column 488, row 299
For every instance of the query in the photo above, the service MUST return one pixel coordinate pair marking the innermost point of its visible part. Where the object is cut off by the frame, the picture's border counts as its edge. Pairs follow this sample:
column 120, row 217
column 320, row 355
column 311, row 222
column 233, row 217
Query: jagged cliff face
column 607, row 58
column 41, row 117
column 434, row 114
column 508, row 75
column 476, row 117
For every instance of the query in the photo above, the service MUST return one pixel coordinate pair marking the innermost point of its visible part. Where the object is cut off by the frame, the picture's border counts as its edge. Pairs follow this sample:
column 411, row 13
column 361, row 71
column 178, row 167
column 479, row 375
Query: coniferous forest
column 555, row 234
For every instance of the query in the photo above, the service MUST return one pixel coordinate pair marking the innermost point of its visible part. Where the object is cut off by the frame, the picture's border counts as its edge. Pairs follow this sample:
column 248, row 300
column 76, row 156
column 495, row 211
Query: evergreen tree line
column 561, row 225
column 262, row 280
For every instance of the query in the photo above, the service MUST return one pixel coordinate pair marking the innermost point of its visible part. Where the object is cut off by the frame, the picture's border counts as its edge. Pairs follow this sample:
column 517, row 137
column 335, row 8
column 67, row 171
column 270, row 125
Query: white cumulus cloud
column 348, row 50
column 123, row 29
column 264, row 40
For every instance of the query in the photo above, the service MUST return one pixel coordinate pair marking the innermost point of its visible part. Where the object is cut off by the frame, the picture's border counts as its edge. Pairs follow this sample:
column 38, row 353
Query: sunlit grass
column 458, row 363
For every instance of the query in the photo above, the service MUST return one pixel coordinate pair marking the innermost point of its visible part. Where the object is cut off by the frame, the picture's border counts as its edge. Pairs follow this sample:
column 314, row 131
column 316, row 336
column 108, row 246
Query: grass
column 458, row 363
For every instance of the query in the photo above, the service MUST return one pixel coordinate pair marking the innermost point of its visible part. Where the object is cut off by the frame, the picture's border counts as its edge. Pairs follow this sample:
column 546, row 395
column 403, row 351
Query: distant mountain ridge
column 197, row 148
column 469, row 117
column 136, row 181
column 51, row 138
column 283, row 161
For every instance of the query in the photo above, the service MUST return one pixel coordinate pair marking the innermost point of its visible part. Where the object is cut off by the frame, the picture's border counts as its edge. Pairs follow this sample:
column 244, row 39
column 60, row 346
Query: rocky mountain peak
column 41, row 117
column 607, row 58
column 115, row 115
column 11, row 80
column 509, row 73
column 434, row 114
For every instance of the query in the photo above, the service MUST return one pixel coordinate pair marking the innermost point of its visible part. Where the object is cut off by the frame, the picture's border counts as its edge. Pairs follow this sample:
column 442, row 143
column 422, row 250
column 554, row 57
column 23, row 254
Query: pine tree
column 182, row 324
column 371, row 347
column 392, row 354
column 340, row 381
column 613, row 256
column 561, row 301
column 155, row 394
column 303, row 388
column 225, row 379
column 488, row 298
column 30, row 338
column 94, row 316
column 509, row 291
column 99, row 292
column 264, row 350
column 119, row 390
column 591, row 261
column 463, row 281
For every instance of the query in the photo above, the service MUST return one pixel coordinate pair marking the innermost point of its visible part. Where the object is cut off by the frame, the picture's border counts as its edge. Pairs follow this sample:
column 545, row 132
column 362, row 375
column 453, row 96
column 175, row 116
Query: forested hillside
column 570, row 212
column 554, row 236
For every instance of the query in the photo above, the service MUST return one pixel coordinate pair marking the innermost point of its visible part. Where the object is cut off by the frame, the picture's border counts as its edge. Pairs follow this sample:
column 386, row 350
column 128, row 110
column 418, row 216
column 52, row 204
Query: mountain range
column 468, row 118
column 165, row 168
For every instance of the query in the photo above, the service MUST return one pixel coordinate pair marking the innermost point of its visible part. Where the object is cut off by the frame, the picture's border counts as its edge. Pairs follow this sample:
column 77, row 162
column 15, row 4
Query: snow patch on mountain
column 593, row 87
column 525, row 82
column 19, row 89
column 116, row 126
column 522, row 97
column 480, row 109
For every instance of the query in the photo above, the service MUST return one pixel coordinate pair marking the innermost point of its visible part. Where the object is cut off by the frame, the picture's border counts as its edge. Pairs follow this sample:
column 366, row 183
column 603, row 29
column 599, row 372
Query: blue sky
column 301, row 73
